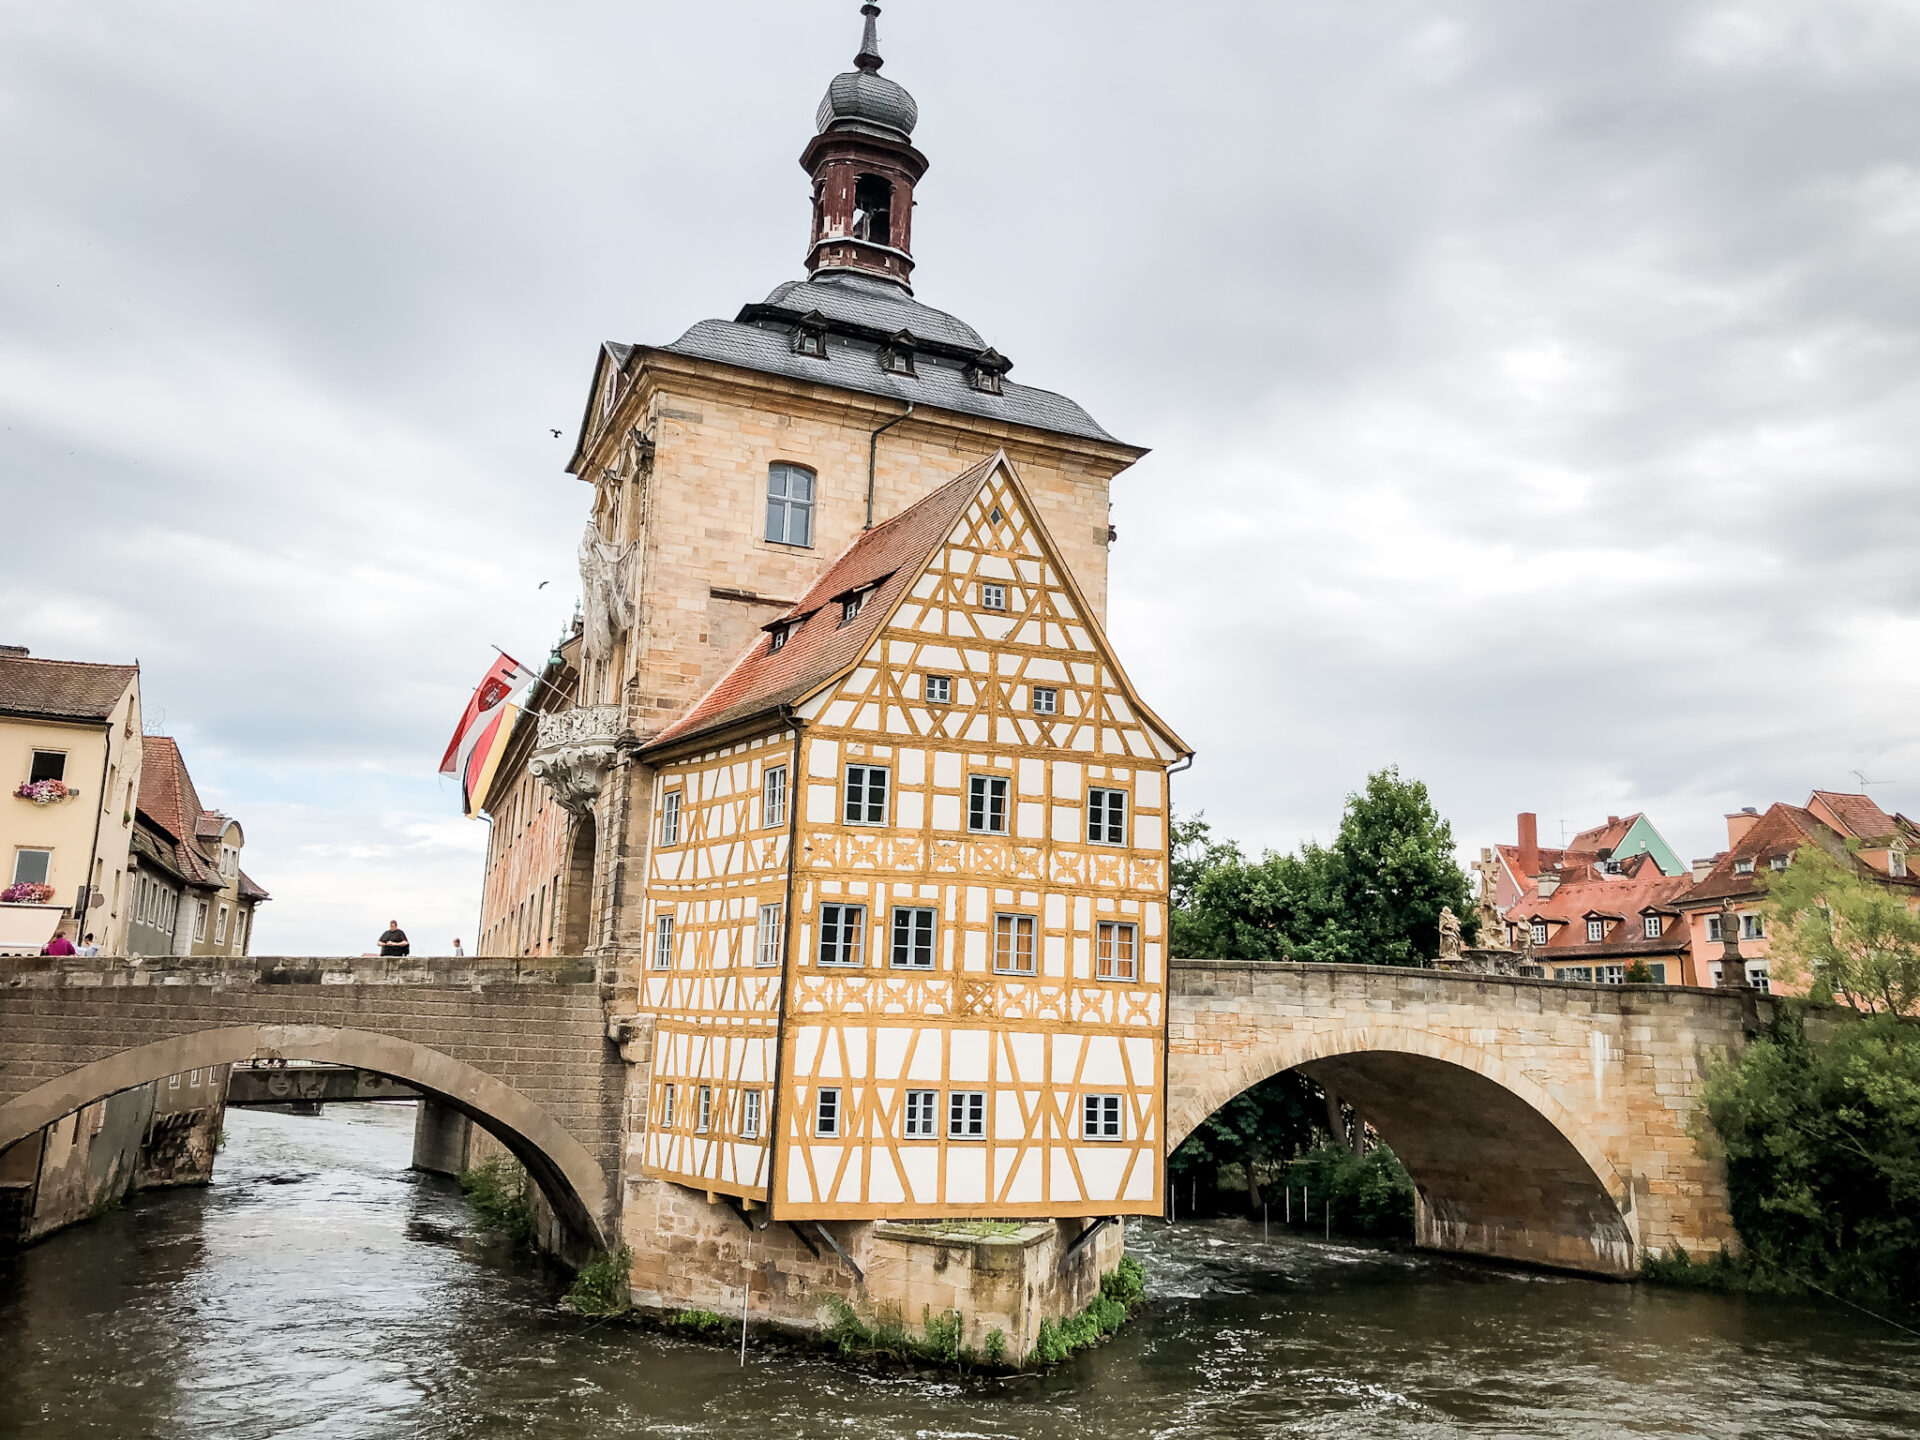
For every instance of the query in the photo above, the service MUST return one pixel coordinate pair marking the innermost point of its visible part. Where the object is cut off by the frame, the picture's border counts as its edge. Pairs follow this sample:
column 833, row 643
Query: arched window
column 789, row 504
column 873, row 209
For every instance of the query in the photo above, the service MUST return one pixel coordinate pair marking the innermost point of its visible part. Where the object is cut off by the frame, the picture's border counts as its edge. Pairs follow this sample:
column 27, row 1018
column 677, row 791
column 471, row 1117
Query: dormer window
column 896, row 356
column 850, row 607
column 1596, row 931
column 984, row 371
column 810, row 336
column 1743, row 867
column 1539, row 932
column 1652, row 927
column 1778, row 862
column 780, row 638
column 1897, row 863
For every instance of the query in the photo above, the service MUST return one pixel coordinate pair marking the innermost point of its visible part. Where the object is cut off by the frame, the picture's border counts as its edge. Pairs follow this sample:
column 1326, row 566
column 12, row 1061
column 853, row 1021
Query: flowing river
column 319, row 1288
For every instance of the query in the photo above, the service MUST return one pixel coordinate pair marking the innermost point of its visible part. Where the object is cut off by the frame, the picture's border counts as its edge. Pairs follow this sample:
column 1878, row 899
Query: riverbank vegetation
column 1819, row 1118
column 600, row 1287
column 501, row 1193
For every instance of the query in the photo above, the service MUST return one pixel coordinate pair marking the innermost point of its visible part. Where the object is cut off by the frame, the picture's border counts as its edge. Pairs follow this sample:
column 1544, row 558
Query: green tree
column 1260, row 1129
column 1843, row 933
column 1820, row 1121
column 1393, row 872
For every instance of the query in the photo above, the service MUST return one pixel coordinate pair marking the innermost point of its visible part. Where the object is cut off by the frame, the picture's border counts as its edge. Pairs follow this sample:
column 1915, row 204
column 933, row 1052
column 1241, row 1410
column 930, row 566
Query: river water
column 319, row 1288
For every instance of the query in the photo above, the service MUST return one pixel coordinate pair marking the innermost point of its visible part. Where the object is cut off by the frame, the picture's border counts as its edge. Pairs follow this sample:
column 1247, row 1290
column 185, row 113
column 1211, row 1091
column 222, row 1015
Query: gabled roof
column 821, row 648
column 166, row 790
column 1783, row 830
column 61, row 689
column 1860, row 818
column 1604, row 837
column 1611, row 898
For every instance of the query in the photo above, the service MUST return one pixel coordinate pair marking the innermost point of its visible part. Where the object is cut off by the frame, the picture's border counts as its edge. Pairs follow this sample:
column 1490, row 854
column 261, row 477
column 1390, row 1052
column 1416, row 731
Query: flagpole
column 537, row 678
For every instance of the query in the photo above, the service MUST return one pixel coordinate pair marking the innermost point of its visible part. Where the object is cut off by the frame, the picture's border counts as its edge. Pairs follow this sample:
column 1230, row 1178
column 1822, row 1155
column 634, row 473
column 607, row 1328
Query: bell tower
column 864, row 168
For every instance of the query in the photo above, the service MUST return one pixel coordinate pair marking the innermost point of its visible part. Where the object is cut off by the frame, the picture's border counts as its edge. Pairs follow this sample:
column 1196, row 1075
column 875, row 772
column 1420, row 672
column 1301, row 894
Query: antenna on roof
column 1861, row 776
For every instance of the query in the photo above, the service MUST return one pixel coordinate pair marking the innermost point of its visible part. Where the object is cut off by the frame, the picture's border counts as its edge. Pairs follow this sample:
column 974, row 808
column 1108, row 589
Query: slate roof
column 890, row 555
column 61, row 689
column 872, row 303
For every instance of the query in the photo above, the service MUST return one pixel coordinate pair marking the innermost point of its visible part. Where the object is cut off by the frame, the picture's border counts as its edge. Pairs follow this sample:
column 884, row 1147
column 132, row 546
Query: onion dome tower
column 864, row 168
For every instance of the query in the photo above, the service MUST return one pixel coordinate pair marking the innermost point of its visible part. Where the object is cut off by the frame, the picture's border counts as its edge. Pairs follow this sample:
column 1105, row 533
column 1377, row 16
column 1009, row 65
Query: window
column 200, row 920
column 1713, row 928
column 826, row 1112
column 873, row 209
column 666, row 1107
column 1013, row 944
column 1046, row 701
column 1100, row 1118
column 866, row 795
column 967, row 1115
column 662, row 942
column 1659, row 969
column 173, row 1082
column 31, row 867
column 773, row 796
column 1575, row 974
column 1743, row 867
column 913, row 938
column 841, row 933
column 1757, row 977
column 670, row 818
column 789, row 505
column 779, row 638
column 1107, row 817
column 1596, row 930
column 1753, row 927
column 923, row 1108
column 48, row 765
column 939, row 689
column 1611, row 974
column 1778, row 862
column 220, row 927
column 987, row 804
column 1539, row 932
column 703, row 1114
column 766, row 940
column 1652, row 927
column 850, row 607
column 993, row 597
column 810, row 340
column 240, row 930
column 749, row 1114
column 1114, row 946
column 1896, row 864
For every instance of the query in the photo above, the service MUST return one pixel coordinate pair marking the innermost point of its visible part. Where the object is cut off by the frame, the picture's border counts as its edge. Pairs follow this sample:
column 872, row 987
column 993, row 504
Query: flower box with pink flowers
column 45, row 792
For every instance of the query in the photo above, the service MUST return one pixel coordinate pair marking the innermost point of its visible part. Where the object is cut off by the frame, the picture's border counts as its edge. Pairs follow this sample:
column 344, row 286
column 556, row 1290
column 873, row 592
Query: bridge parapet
column 52, row 972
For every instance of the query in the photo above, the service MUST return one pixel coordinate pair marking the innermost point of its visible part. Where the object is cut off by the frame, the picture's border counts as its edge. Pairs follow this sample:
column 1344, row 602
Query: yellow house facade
column 907, row 892
column 69, row 779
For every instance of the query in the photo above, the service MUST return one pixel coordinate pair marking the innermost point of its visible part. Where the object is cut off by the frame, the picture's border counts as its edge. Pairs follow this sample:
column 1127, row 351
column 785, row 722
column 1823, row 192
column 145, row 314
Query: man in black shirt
column 394, row 942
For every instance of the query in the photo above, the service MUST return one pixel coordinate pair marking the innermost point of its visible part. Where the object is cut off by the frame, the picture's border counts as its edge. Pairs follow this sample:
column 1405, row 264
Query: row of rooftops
column 1567, row 889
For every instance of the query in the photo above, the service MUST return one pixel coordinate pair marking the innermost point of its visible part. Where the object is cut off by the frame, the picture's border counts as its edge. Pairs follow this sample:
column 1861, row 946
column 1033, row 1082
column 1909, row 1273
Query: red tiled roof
column 1859, row 817
column 890, row 555
column 166, row 790
column 1780, row 832
column 1604, row 837
column 62, row 689
column 1622, row 898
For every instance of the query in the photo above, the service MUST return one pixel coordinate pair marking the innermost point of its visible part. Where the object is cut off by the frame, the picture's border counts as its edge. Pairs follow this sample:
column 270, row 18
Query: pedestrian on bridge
column 394, row 942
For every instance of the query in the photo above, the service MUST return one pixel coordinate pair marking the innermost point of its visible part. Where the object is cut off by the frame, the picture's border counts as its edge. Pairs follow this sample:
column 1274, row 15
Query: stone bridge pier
column 1541, row 1122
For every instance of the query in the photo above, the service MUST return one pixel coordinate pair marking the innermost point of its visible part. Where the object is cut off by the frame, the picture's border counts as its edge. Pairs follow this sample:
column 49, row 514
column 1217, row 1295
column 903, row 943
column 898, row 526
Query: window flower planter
column 45, row 792
column 27, row 892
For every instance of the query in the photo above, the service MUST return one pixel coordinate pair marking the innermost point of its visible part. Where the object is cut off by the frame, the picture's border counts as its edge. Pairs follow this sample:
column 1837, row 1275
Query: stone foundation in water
column 690, row 1253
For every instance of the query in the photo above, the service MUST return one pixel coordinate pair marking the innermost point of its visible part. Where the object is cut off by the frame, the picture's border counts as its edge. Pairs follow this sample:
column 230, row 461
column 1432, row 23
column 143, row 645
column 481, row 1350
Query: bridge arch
column 1502, row 1167
column 573, row 1182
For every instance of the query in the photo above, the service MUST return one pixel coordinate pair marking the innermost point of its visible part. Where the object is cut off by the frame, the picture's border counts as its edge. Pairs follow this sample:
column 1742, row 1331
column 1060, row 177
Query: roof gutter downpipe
column 873, row 451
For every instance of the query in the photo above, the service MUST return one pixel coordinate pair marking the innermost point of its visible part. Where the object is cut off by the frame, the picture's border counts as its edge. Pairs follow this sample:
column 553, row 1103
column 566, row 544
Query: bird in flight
column 554, row 433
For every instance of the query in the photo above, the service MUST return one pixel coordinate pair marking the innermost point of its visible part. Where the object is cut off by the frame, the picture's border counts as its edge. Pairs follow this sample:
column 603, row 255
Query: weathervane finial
column 869, row 59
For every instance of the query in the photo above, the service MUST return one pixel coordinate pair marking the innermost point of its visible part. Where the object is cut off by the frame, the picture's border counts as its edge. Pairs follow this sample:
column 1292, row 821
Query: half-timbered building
column 908, row 891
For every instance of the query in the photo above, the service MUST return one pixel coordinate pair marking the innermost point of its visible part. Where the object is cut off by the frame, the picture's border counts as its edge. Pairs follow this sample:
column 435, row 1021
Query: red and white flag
column 481, row 736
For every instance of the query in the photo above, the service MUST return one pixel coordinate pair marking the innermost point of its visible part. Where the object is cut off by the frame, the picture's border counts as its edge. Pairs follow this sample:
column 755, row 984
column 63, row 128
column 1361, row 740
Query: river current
column 320, row 1289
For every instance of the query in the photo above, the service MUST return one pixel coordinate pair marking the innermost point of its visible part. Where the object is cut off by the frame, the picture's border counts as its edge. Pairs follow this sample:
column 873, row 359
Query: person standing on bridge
column 458, row 952
column 394, row 942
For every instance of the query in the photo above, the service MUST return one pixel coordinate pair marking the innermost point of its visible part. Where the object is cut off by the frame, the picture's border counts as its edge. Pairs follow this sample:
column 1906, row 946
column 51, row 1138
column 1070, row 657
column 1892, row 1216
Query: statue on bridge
column 1449, row 934
column 1493, row 931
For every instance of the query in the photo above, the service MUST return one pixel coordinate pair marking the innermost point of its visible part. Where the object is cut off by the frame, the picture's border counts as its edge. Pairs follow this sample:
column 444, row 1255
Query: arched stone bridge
column 1542, row 1122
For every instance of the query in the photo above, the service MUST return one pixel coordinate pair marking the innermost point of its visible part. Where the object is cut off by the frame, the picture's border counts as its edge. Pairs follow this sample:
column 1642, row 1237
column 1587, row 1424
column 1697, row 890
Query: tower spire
column 868, row 60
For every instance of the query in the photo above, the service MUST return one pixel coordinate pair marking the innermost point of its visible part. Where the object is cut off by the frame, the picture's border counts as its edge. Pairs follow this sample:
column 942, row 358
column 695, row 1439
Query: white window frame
column 967, row 1115
column 768, row 934
column 1106, row 949
column 987, row 797
column 1009, row 929
column 851, row 606
column 1758, row 977
column 220, row 925
column 920, row 1117
column 787, row 504
column 993, row 597
column 1610, row 974
column 1106, row 816
column 1046, row 700
column 703, row 1110
column 33, row 761
column 843, row 936
column 200, row 920
column 666, row 1106
column 1103, row 1117
column 46, row 876
column 1715, row 930
column 938, row 689
column 773, row 797
column 1743, row 867
column 915, row 933
column 1650, row 926
column 1896, row 864
column 670, row 818
column 857, row 805
column 826, row 1112
column 1539, row 932
column 1596, row 931
column 1753, row 925
column 750, row 1104
column 663, row 942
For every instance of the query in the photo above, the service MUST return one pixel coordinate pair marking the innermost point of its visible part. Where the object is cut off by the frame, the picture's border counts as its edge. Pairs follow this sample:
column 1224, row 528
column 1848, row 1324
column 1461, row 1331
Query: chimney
column 1548, row 882
column 16, row 650
column 1529, row 844
column 1701, row 869
column 1612, row 820
column 1739, row 824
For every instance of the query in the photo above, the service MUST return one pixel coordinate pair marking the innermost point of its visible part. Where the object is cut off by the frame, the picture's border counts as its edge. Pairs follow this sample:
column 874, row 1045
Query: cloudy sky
column 1534, row 389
